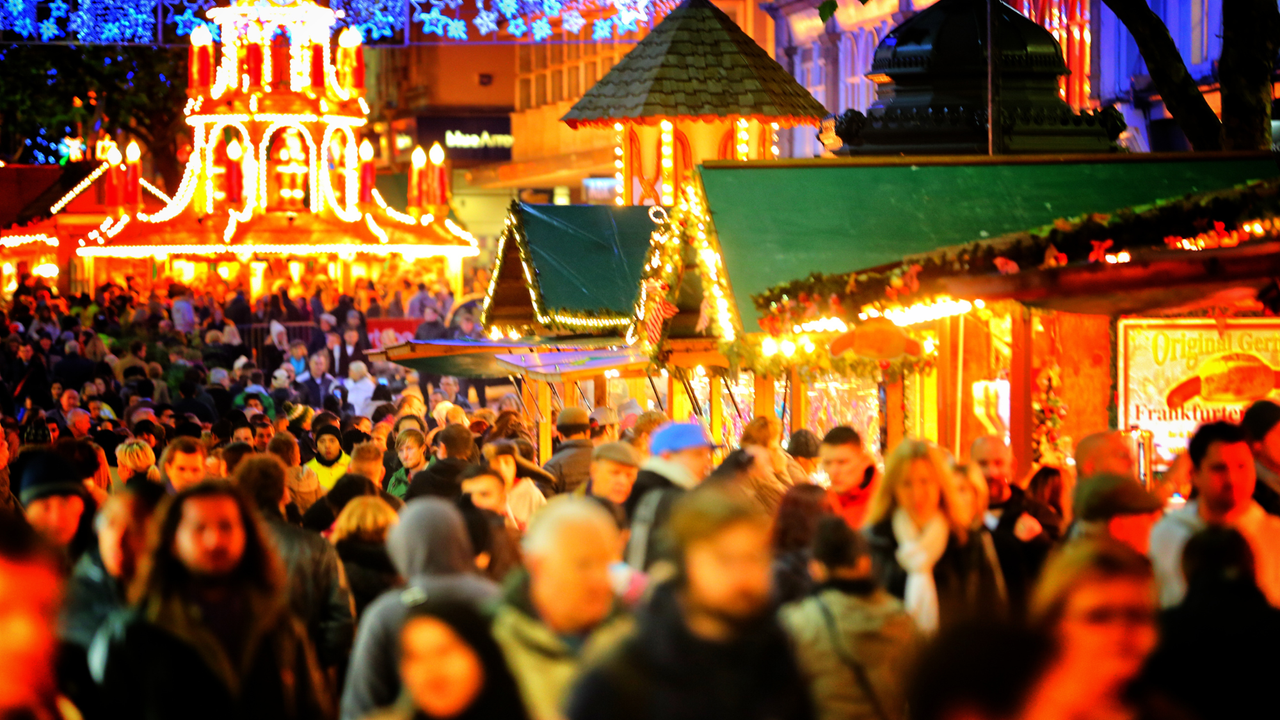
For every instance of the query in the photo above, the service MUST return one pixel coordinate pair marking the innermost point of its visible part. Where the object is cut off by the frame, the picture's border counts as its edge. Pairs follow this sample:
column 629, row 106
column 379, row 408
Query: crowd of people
column 196, row 541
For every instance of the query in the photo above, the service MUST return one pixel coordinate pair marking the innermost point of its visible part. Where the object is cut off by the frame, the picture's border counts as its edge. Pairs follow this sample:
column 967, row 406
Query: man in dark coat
column 318, row 589
column 707, row 645
column 213, row 636
column 74, row 369
column 456, row 449
column 317, row 384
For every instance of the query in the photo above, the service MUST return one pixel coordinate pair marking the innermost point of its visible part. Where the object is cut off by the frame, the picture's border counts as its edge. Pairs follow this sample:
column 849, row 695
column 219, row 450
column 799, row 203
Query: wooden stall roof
column 784, row 220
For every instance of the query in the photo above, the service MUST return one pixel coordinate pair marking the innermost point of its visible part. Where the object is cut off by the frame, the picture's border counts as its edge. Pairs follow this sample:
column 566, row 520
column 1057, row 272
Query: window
column 557, row 85
column 526, row 94
column 540, row 90
column 575, row 88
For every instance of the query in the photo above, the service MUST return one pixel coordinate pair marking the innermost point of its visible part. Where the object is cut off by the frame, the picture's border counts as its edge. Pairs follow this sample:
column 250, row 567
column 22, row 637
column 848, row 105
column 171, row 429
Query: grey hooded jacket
column 430, row 547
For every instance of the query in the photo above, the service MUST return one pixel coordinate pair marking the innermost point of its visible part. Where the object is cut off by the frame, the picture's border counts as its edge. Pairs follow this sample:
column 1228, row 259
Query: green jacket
column 544, row 665
column 870, row 628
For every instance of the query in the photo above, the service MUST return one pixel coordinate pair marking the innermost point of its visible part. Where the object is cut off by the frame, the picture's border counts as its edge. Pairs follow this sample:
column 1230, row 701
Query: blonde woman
column 135, row 457
column 360, row 535
column 925, row 546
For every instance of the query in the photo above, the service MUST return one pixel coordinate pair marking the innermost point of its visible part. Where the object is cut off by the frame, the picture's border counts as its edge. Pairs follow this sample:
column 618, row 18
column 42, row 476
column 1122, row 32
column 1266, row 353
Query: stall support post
column 946, row 368
column 544, row 427
column 715, row 409
column 678, row 407
column 895, row 418
column 1021, row 416
column 453, row 274
column 799, row 402
column 600, row 389
column 764, row 387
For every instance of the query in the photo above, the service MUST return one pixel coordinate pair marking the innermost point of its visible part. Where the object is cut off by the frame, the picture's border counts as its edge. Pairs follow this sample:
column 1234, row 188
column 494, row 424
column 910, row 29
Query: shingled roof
column 696, row 64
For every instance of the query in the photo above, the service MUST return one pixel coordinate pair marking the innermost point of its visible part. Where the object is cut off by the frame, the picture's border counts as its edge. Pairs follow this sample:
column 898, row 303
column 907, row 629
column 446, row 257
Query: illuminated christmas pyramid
column 277, row 167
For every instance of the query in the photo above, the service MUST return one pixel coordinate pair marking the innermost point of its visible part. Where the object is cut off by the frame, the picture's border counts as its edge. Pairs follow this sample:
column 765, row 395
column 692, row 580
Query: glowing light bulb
column 201, row 36
column 113, row 156
column 787, row 347
column 234, row 151
column 419, row 158
column 436, row 154
column 349, row 38
column 132, row 152
column 366, row 150
column 769, row 347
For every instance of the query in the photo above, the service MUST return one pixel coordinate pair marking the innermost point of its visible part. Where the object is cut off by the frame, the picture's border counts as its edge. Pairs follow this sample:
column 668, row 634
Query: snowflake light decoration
column 517, row 27
column 572, row 22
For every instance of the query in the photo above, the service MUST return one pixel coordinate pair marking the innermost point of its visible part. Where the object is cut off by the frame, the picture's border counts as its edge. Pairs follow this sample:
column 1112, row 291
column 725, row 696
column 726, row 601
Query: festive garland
column 1192, row 222
column 813, row 361
column 1048, row 445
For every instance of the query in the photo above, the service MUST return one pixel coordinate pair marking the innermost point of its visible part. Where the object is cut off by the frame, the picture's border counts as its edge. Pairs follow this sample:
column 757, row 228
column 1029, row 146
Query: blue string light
column 134, row 21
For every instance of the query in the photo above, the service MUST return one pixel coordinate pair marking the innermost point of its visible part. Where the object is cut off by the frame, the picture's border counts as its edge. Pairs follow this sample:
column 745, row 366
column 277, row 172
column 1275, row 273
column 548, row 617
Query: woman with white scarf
column 925, row 547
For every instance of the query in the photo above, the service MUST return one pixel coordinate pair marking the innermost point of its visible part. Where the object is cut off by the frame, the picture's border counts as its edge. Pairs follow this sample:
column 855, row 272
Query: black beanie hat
column 328, row 430
column 45, row 473
column 1260, row 418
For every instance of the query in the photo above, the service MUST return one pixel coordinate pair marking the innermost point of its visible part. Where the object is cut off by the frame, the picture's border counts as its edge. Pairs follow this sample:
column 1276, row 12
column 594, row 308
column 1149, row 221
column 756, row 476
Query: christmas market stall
column 569, row 279
column 279, row 183
column 53, row 206
column 926, row 363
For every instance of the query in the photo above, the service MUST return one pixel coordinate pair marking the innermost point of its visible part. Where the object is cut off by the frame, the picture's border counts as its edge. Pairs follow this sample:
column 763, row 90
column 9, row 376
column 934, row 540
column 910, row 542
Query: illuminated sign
column 1176, row 374
column 468, row 138
column 458, row 139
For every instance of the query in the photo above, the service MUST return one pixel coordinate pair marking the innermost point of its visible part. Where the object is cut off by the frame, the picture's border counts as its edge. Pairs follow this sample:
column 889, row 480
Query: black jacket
column 370, row 571
column 439, row 480
column 151, row 668
column 665, row 672
column 646, row 480
column 1202, row 666
column 74, row 370
column 970, row 583
column 318, row 592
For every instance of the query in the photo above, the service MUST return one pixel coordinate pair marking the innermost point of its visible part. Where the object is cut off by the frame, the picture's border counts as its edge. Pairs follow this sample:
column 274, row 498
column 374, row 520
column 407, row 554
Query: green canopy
column 588, row 258
column 777, row 222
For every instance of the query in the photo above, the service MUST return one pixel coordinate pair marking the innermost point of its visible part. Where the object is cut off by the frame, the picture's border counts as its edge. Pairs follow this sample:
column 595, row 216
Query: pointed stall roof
column 697, row 64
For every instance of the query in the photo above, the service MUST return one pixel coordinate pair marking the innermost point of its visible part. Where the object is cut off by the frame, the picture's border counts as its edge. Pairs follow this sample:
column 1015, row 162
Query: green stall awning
column 588, row 258
column 781, row 221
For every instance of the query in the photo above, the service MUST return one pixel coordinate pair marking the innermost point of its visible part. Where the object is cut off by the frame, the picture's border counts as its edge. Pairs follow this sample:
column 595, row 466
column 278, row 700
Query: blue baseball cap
column 674, row 437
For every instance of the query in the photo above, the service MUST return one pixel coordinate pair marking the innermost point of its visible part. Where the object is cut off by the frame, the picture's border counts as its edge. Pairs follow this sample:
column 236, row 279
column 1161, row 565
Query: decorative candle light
column 318, row 44
column 133, row 174
column 200, row 59
column 234, row 171
column 351, row 58
column 113, row 182
column 437, row 192
column 419, row 160
column 253, row 55
column 367, row 173
column 280, row 62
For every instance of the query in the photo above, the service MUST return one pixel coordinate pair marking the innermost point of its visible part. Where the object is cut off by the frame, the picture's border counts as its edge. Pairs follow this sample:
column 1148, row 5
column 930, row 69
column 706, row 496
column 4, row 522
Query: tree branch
column 1169, row 73
column 1250, row 38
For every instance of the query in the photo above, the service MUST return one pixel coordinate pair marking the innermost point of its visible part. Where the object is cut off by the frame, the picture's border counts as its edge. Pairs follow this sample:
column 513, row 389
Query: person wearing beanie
column 57, row 503
column 571, row 465
column 803, row 447
column 1262, row 422
column 330, row 463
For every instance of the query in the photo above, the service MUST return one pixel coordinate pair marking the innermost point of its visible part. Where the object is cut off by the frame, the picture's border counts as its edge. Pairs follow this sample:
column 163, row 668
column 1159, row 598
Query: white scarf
column 918, row 551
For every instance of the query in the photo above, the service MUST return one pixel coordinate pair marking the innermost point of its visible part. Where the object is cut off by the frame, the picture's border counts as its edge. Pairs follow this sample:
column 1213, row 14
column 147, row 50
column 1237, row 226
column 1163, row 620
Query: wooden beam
column 548, row 419
column 799, row 402
column 948, row 347
column 600, row 391
column 764, row 404
column 715, row 410
column 894, row 415
column 1021, row 417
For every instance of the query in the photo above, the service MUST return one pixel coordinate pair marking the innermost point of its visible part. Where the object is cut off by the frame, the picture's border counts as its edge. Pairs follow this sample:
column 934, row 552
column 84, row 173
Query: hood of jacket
column 430, row 539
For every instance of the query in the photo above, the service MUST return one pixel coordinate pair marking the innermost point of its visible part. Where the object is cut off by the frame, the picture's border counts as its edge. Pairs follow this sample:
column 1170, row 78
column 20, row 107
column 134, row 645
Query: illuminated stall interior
column 881, row 348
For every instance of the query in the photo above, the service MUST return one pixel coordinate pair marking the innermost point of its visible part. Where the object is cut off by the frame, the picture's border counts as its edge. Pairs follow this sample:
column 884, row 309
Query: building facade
column 833, row 60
